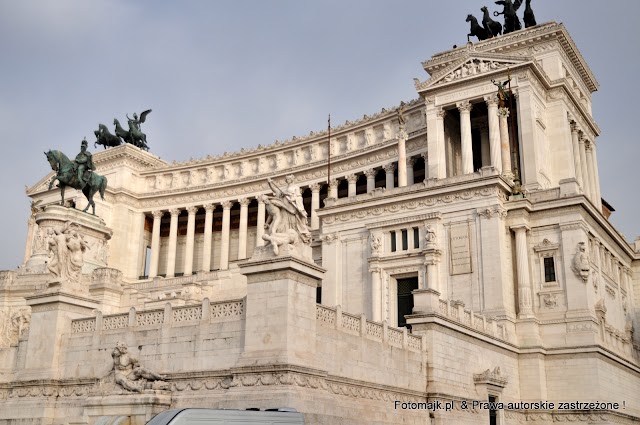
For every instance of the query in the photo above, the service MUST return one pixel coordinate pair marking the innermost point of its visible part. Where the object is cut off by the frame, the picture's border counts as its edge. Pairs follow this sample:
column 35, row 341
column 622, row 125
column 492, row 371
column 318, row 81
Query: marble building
column 461, row 251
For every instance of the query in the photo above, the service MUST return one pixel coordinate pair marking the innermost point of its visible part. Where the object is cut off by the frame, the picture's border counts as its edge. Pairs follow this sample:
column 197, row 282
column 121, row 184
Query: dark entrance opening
column 405, row 299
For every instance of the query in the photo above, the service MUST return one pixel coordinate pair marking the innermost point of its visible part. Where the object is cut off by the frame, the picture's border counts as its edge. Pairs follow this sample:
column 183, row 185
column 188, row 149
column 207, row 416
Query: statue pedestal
column 51, row 314
column 280, row 311
column 92, row 228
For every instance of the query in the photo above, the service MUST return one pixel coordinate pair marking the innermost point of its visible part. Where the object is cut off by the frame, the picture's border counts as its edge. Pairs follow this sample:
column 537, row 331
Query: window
column 493, row 412
column 405, row 240
column 393, row 241
column 549, row 270
column 416, row 238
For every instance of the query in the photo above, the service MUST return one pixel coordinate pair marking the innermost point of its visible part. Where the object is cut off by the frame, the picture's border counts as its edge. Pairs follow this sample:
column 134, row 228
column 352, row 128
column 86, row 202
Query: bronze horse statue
column 133, row 136
column 493, row 28
column 105, row 138
column 476, row 29
column 67, row 176
column 511, row 20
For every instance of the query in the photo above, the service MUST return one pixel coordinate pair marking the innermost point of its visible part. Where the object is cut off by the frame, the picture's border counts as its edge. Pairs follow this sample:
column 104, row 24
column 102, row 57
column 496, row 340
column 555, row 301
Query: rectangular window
column 493, row 413
column 416, row 238
column 405, row 240
column 549, row 270
column 393, row 241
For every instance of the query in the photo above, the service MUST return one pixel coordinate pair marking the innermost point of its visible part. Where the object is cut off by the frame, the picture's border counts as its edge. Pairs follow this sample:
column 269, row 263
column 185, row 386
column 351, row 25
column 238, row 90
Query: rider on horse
column 83, row 161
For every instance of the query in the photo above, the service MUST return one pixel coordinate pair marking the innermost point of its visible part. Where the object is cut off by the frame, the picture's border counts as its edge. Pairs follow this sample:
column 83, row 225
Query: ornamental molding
column 491, row 377
column 413, row 204
column 404, row 220
column 546, row 245
column 490, row 212
column 330, row 238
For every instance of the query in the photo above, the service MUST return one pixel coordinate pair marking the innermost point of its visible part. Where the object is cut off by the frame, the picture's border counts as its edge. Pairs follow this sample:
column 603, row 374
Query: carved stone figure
column 581, row 266
column 130, row 374
column 287, row 221
column 511, row 21
column 376, row 244
column 430, row 236
column 68, row 175
column 66, row 249
column 13, row 326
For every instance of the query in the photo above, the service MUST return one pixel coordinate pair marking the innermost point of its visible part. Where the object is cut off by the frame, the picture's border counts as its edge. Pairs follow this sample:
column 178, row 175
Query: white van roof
column 231, row 417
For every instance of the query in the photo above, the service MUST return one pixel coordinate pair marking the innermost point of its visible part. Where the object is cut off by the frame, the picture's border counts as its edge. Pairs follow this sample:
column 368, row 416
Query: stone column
column 389, row 169
column 576, row 153
column 505, row 146
column 410, row 177
column 352, row 179
column 191, row 236
column 242, row 233
column 261, row 220
column 439, row 155
column 522, row 264
column 425, row 156
column 208, row 230
column 371, row 179
column 224, row 242
column 173, row 242
column 376, row 294
column 494, row 133
column 465, row 134
column 432, row 277
column 315, row 205
column 595, row 182
column 485, row 154
column 402, row 157
column 155, row 244
column 586, row 187
column 333, row 188
column 31, row 231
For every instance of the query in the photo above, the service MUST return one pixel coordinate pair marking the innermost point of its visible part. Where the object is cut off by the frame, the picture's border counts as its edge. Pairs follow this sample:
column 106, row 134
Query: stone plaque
column 460, row 249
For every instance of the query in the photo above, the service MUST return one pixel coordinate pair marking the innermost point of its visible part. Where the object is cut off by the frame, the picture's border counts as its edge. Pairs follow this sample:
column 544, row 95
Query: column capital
column 209, row 207
column 174, row 212
column 260, row 199
column 192, row 209
column 441, row 113
column 588, row 145
column 425, row 155
column 581, row 137
column 315, row 187
column 491, row 100
column 227, row 204
column 371, row 173
column 352, row 178
column 333, row 182
column 244, row 202
column 503, row 113
column 389, row 168
column 574, row 126
column 464, row 106
column 157, row 214
column 520, row 228
column 411, row 161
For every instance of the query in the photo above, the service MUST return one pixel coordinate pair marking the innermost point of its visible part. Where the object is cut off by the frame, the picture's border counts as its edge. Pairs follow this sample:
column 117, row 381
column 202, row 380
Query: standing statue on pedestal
column 130, row 374
column 77, row 174
column 287, row 222
column 503, row 96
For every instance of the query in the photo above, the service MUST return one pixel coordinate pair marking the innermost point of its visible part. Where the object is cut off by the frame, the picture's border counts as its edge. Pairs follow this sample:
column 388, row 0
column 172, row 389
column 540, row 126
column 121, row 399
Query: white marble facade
column 440, row 278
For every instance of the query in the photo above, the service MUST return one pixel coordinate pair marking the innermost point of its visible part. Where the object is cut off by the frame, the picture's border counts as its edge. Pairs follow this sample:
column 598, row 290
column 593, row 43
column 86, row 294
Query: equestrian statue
column 77, row 174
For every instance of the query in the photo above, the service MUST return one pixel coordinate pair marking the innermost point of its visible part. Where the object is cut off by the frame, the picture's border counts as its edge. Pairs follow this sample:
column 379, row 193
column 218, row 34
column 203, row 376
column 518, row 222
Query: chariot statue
column 134, row 135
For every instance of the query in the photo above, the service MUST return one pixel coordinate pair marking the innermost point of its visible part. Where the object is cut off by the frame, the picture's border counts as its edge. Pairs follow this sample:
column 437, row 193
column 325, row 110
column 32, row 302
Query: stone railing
column 455, row 310
column 359, row 325
column 162, row 282
column 205, row 312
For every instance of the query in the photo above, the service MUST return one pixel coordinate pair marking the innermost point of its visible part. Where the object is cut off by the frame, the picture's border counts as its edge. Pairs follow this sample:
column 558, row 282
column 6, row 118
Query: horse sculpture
column 476, row 29
column 493, row 28
column 529, row 18
column 105, row 138
column 135, row 137
column 67, row 176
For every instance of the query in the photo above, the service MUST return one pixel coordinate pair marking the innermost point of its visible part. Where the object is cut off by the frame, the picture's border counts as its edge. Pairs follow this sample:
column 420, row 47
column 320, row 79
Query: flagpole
column 329, row 150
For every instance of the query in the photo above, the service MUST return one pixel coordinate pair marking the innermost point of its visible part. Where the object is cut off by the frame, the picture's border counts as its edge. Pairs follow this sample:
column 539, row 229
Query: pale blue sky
column 220, row 75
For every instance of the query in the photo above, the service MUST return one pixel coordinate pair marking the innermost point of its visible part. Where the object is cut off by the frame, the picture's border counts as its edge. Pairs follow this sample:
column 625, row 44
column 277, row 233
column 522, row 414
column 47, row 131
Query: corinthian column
column 333, row 188
column 376, row 294
column 155, row 244
column 494, row 133
column 465, row 133
column 505, row 146
column 352, row 179
column 371, row 179
column 389, row 169
column 596, row 176
column 410, row 179
column 402, row 157
column 576, row 153
column 522, row 265
column 173, row 242
column 191, row 235
column 315, row 205
column 261, row 220
column 224, row 243
column 586, row 187
column 208, row 228
column 242, row 233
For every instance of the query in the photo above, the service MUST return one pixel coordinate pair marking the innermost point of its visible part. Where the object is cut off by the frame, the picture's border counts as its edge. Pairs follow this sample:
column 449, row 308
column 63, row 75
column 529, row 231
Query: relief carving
column 66, row 252
column 581, row 266
column 13, row 326
column 130, row 374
